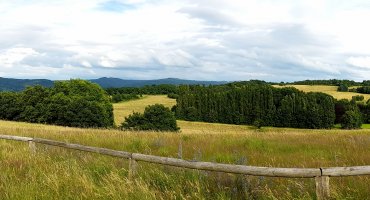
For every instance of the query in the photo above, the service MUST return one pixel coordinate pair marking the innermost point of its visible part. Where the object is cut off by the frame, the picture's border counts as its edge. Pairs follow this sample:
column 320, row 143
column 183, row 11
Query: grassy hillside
column 54, row 173
column 331, row 90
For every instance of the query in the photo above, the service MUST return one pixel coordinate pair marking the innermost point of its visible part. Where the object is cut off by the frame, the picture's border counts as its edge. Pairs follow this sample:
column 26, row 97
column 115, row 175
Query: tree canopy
column 75, row 103
column 247, row 102
column 156, row 118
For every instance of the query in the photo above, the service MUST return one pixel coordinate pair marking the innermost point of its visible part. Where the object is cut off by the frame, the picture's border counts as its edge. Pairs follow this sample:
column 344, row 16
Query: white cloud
column 14, row 56
column 204, row 39
column 86, row 64
column 362, row 62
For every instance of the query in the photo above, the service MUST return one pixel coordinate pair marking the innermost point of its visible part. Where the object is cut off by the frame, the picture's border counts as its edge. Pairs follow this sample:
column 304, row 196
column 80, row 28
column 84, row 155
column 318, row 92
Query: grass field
column 54, row 173
column 331, row 90
column 366, row 126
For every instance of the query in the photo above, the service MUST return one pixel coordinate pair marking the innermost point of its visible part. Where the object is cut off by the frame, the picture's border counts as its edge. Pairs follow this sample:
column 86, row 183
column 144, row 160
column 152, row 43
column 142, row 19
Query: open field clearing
column 331, row 90
column 55, row 173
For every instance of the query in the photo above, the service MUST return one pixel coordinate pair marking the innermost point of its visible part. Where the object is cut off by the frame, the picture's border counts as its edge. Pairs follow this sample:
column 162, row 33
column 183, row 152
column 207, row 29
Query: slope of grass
column 55, row 173
column 331, row 90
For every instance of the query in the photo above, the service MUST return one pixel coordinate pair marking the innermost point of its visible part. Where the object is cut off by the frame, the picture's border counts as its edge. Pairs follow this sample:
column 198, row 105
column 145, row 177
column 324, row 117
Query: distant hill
column 10, row 84
column 116, row 82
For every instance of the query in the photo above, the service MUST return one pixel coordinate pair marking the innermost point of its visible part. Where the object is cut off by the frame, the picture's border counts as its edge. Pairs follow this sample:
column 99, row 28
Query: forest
column 79, row 103
column 74, row 103
column 260, row 104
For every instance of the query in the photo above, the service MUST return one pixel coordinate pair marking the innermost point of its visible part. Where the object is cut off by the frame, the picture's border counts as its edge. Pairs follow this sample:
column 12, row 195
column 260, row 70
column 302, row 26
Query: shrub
column 358, row 98
column 173, row 96
column 343, row 88
column 351, row 120
column 258, row 123
column 156, row 117
column 135, row 121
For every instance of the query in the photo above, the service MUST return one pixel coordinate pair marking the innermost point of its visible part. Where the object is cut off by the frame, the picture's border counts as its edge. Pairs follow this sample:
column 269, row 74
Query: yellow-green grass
column 54, row 173
column 366, row 126
column 331, row 90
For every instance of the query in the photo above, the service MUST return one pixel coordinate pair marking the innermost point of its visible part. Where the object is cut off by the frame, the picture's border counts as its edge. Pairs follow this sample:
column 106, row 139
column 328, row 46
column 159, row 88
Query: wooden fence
column 321, row 175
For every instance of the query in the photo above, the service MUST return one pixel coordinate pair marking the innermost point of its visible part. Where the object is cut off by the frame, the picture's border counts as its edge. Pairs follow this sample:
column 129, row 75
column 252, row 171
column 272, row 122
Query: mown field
column 331, row 90
column 55, row 173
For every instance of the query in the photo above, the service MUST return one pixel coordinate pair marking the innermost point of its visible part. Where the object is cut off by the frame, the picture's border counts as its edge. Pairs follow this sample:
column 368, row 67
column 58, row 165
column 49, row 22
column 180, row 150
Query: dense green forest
column 84, row 104
column 149, row 89
column 75, row 103
column 258, row 103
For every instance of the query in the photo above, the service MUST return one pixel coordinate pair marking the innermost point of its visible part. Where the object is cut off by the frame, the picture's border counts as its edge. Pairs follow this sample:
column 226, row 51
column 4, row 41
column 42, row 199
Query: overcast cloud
column 273, row 40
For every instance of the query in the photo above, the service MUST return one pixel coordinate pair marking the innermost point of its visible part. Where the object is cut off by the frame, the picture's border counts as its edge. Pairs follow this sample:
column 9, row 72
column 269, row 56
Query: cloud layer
column 281, row 40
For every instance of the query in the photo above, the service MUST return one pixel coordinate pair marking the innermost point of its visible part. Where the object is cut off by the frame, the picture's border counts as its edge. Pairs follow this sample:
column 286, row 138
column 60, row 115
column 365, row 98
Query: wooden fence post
column 32, row 146
column 132, row 170
column 322, row 187
column 179, row 153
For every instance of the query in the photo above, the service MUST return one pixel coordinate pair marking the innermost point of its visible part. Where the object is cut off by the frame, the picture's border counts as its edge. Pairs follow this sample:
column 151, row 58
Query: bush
column 343, row 88
column 351, row 120
column 358, row 98
column 135, row 121
column 156, row 118
column 173, row 96
column 258, row 123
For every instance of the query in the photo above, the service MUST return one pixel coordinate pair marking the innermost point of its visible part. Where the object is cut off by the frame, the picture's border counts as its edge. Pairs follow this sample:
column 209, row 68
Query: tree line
column 333, row 82
column 149, row 90
column 258, row 103
column 74, row 103
column 361, row 90
column 132, row 93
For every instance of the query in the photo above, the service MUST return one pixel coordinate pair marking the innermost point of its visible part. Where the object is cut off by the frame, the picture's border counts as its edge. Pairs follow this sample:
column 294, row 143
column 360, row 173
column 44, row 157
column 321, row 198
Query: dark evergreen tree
column 247, row 102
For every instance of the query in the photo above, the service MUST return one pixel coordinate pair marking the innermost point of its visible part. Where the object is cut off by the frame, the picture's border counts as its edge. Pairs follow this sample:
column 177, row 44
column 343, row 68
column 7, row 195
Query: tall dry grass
column 55, row 173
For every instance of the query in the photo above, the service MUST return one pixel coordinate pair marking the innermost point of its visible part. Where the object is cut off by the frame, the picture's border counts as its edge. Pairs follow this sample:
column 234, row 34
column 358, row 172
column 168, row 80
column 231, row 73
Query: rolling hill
column 10, row 84
column 117, row 82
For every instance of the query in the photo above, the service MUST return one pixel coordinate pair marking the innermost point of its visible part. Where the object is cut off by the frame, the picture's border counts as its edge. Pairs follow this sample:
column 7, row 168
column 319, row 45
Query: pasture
column 55, row 173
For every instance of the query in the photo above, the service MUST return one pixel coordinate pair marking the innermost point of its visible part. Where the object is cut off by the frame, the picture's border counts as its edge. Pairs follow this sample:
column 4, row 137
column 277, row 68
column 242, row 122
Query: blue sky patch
column 115, row 6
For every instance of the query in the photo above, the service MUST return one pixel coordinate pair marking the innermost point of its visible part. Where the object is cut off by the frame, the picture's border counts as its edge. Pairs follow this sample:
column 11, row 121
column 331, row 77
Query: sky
column 230, row 40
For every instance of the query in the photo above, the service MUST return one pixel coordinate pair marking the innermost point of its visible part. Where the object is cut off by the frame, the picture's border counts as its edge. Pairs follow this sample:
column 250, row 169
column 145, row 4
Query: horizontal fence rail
column 321, row 175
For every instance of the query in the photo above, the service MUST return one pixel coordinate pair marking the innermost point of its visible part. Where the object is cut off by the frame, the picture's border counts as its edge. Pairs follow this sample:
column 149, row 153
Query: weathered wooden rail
column 321, row 175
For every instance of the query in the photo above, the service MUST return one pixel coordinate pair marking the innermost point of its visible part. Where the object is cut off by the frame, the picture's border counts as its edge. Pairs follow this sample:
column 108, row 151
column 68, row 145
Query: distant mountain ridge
column 117, row 82
column 10, row 84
